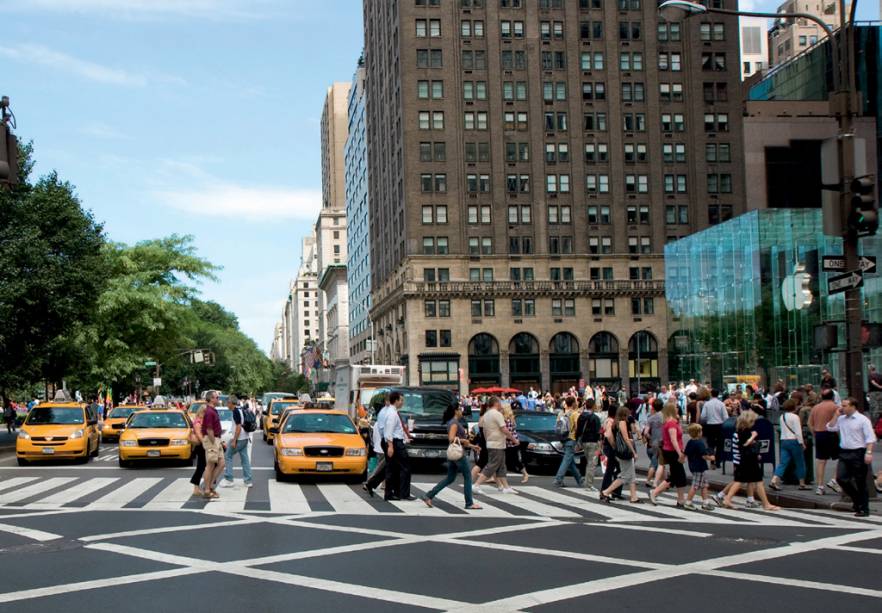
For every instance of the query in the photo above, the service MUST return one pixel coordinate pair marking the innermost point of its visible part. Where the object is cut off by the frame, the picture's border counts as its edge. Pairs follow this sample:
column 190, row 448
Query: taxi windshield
column 225, row 414
column 278, row 407
column 319, row 422
column 55, row 415
column 195, row 407
column 537, row 422
column 121, row 412
column 171, row 419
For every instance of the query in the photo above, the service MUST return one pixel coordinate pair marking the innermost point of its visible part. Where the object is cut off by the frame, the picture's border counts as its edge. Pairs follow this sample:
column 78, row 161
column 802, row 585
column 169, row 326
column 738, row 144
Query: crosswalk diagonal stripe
column 173, row 496
column 582, row 499
column 124, row 494
column 74, row 492
column 455, row 497
column 34, row 489
column 528, row 504
column 8, row 484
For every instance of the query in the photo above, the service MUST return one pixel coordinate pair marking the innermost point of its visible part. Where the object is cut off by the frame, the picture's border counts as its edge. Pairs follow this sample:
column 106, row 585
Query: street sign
column 157, row 382
column 150, row 363
column 836, row 263
column 841, row 283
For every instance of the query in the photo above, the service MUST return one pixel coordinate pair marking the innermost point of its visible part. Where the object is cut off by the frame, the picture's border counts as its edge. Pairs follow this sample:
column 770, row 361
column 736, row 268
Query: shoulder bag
column 454, row 450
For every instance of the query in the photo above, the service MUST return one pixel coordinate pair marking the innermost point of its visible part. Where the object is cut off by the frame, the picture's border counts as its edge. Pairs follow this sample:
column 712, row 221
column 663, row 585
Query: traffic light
column 863, row 220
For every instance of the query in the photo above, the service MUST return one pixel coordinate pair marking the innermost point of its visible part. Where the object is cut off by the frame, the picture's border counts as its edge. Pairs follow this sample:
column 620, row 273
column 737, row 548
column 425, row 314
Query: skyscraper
column 788, row 38
column 527, row 162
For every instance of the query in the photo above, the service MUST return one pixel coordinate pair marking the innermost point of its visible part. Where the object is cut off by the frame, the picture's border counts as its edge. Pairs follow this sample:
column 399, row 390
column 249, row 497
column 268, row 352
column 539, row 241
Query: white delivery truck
column 356, row 384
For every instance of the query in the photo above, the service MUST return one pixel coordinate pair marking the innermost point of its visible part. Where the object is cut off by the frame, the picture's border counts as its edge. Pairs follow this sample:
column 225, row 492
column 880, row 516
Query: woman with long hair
column 792, row 446
column 456, row 432
column 609, row 452
column 513, row 448
column 479, row 445
column 622, row 443
column 748, row 470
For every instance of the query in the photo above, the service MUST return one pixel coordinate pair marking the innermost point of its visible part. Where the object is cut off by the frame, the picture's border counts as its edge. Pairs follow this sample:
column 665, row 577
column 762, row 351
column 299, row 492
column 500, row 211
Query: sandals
column 474, row 507
column 636, row 501
column 428, row 502
column 212, row 495
column 773, row 485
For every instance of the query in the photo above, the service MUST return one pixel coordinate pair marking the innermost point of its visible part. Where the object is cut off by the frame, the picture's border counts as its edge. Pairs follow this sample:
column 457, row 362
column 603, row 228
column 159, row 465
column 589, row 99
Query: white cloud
column 151, row 9
column 243, row 202
column 103, row 131
column 62, row 62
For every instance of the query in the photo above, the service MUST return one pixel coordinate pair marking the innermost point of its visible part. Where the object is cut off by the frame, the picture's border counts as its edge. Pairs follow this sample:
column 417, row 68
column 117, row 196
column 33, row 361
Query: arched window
column 563, row 358
column 484, row 360
column 603, row 359
column 643, row 362
column 523, row 361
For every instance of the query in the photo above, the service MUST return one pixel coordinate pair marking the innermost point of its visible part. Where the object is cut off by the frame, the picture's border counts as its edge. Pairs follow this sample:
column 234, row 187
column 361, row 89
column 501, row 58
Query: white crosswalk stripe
column 533, row 501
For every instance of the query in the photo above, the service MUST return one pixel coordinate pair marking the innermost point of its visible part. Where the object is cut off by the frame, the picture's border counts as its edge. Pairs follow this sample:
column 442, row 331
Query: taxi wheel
column 22, row 462
column 124, row 463
column 280, row 476
column 264, row 436
column 97, row 449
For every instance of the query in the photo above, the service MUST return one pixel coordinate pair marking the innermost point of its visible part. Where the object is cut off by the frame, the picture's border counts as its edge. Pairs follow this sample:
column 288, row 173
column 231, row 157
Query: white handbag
column 454, row 451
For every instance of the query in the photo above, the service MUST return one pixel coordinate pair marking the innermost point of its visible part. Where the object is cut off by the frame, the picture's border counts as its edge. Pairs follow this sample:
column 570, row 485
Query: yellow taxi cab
column 115, row 422
column 58, row 430
column 319, row 442
column 274, row 413
column 156, row 434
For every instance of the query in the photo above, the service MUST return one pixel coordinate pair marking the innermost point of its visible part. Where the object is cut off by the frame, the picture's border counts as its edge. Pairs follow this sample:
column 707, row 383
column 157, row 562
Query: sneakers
column 226, row 483
column 652, row 498
column 249, row 484
column 717, row 499
column 590, row 488
column 820, row 490
column 476, row 489
column 689, row 506
column 508, row 490
column 752, row 504
column 707, row 506
column 834, row 486
column 559, row 484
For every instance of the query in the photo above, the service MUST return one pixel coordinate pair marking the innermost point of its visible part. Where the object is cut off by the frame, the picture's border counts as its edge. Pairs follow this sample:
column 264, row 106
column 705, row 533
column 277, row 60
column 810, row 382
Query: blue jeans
column 242, row 450
column 460, row 466
column 791, row 450
column 568, row 464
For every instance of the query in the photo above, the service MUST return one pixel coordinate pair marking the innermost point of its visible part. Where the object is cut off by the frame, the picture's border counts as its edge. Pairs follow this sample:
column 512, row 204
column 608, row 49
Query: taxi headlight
column 24, row 435
column 129, row 443
column 77, row 434
column 179, row 442
column 361, row 451
column 292, row 451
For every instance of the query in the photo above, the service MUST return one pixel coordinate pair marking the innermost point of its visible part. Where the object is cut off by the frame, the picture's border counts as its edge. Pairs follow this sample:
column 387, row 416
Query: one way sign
column 836, row 263
column 841, row 283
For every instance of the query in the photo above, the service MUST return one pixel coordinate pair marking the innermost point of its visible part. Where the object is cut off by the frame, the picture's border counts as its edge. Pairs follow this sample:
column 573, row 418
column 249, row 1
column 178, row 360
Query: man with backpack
column 244, row 423
column 588, row 432
column 566, row 431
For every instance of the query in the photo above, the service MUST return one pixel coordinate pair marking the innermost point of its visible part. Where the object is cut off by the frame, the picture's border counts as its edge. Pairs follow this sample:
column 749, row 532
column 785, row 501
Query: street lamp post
column 842, row 104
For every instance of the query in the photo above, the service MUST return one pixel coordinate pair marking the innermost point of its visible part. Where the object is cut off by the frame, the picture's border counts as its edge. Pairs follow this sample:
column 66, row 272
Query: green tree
column 144, row 310
column 51, row 270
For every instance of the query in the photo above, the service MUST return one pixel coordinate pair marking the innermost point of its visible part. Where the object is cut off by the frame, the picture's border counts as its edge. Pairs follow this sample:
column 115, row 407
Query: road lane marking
column 172, row 497
column 124, row 494
column 35, row 489
column 287, row 498
column 74, row 492
column 30, row 533
column 344, row 500
column 7, row 484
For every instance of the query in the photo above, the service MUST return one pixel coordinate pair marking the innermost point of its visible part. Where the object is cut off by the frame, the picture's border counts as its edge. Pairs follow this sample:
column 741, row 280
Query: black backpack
column 249, row 422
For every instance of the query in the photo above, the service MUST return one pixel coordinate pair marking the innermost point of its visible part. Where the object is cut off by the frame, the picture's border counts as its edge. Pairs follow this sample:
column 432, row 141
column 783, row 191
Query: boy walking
column 698, row 455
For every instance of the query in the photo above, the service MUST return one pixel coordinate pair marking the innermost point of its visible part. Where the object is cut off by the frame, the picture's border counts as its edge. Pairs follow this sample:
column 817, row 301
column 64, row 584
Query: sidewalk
column 789, row 496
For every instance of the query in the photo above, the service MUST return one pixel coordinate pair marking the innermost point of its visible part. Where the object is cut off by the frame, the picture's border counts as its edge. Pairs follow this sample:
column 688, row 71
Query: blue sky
column 192, row 116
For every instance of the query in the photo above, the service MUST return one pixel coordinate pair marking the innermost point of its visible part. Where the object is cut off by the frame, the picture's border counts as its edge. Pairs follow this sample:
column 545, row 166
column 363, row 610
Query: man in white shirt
column 239, row 443
column 856, row 440
column 713, row 415
column 397, row 460
column 379, row 473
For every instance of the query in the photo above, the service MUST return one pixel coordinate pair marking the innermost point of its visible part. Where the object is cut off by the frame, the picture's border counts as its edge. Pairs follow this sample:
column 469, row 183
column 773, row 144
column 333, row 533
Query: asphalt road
column 81, row 538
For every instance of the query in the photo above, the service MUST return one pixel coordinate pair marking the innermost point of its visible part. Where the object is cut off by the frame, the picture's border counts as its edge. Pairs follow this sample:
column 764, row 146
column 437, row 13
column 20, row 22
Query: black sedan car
column 540, row 444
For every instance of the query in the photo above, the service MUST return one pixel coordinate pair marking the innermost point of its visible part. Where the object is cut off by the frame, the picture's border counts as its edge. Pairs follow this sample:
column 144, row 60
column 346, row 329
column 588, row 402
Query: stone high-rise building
column 528, row 160
column 789, row 38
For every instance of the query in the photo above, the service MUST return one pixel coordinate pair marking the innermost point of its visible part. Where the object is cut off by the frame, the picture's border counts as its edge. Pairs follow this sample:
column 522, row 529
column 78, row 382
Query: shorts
column 699, row 480
column 213, row 453
column 826, row 446
column 653, row 452
column 495, row 463
column 627, row 473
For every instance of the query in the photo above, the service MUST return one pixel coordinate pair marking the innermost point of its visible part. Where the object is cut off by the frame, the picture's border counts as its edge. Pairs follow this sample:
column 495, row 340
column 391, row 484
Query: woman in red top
column 672, row 451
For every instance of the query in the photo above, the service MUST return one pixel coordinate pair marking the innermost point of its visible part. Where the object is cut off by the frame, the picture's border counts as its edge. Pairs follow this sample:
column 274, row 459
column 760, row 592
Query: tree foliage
column 51, row 268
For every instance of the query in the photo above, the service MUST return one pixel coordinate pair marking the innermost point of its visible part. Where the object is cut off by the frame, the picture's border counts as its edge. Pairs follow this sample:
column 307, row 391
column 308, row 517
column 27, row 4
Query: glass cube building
column 744, row 299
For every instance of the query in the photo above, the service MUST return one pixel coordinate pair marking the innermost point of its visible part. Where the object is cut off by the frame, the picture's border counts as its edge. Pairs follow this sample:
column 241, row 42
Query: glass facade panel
column 744, row 298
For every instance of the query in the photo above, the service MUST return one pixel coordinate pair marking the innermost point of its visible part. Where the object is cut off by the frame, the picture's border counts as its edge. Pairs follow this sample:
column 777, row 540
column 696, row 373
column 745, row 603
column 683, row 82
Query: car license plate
column 48, row 450
column 324, row 467
column 153, row 453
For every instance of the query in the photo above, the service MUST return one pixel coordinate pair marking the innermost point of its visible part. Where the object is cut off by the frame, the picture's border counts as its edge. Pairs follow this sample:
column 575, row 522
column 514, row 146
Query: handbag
column 454, row 450
column 623, row 452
